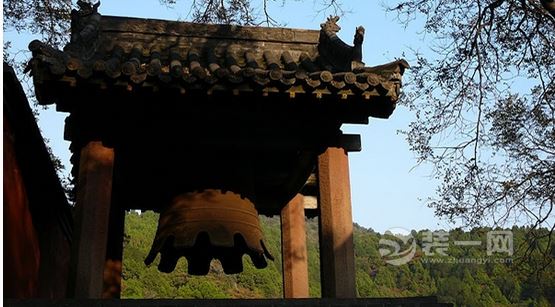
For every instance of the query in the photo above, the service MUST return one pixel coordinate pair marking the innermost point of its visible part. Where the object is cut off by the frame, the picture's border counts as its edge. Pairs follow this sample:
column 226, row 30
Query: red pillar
column 336, row 225
column 92, row 214
column 294, row 251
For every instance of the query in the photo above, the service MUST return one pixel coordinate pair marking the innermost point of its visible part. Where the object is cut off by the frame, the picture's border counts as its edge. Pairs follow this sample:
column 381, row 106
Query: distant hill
column 466, row 284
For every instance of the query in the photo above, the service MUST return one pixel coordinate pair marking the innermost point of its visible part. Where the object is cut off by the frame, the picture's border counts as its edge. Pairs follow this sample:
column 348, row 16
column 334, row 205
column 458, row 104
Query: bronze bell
column 206, row 225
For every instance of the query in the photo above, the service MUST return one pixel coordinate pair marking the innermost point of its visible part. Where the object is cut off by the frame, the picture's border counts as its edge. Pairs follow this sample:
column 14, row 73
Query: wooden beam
column 337, row 259
column 349, row 142
column 92, row 212
column 293, row 249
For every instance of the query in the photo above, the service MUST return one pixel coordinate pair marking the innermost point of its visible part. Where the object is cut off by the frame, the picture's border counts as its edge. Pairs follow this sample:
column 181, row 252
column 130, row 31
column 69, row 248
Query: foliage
column 50, row 18
column 485, row 110
column 469, row 284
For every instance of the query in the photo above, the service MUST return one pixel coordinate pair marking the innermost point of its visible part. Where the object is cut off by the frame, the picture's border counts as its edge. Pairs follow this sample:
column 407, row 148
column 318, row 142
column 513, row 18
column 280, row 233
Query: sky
column 388, row 191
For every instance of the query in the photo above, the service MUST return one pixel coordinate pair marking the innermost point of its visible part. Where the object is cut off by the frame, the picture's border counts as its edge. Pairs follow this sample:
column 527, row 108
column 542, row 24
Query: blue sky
column 387, row 191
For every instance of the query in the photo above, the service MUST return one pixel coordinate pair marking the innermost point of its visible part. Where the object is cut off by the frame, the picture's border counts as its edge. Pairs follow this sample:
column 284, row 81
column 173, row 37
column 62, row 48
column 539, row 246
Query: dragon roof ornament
column 342, row 56
column 85, row 30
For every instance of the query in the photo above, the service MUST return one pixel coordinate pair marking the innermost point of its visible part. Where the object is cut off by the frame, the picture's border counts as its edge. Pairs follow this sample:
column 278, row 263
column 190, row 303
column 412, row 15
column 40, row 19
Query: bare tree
column 485, row 111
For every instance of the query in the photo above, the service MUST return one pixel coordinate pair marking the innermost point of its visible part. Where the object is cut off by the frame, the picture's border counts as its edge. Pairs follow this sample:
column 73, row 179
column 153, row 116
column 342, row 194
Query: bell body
column 211, row 216
column 206, row 225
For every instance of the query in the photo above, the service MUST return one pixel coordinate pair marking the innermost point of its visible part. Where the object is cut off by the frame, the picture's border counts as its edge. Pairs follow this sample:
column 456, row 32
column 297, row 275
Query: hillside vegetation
column 467, row 284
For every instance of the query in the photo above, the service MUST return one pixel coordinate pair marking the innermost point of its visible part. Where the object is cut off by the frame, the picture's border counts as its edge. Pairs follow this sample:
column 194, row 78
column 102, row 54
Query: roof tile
column 148, row 53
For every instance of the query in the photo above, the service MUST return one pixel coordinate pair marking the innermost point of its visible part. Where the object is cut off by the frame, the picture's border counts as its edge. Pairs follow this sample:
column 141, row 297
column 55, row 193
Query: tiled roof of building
column 133, row 54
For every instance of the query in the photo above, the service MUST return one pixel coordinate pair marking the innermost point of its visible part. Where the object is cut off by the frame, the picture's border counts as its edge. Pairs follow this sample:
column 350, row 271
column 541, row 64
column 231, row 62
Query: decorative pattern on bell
column 207, row 225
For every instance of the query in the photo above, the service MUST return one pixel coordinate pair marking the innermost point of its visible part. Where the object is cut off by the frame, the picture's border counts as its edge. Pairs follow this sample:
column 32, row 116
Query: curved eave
column 57, row 75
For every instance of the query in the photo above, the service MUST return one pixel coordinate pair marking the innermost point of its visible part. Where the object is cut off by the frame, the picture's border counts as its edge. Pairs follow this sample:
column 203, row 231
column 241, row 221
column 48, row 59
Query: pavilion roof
column 117, row 52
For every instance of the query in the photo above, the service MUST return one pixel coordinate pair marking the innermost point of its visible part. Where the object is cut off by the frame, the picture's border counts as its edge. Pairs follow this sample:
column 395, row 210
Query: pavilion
column 211, row 125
